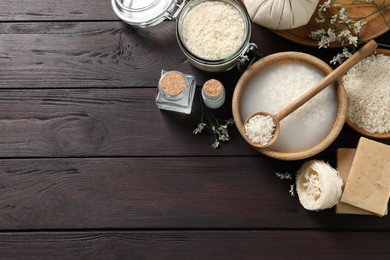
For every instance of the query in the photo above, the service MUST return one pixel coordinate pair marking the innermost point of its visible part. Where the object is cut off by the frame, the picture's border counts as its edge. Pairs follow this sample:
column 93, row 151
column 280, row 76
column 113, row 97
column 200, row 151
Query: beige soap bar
column 368, row 183
column 344, row 162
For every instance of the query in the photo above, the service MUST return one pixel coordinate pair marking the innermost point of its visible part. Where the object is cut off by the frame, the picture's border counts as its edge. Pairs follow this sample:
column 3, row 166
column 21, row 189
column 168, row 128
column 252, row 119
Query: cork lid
column 173, row 83
column 212, row 88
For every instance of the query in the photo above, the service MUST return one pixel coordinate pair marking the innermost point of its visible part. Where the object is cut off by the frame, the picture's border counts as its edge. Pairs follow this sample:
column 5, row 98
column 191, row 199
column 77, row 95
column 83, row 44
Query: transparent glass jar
column 213, row 94
column 144, row 13
column 175, row 91
column 240, row 57
column 151, row 12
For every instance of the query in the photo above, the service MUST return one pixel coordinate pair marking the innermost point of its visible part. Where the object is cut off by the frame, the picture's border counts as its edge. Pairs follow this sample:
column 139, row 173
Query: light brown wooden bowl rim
column 295, row 57
column 360, row 130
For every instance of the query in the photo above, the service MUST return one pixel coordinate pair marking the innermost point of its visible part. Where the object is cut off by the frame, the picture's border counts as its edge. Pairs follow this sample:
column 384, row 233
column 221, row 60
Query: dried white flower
column 327, row 4
column 284, row 176
column 216, row 144
column 340, row 57
column 353, row 40
column 327, row 39
column 218, row 127
column 199, row 128
column 357, row 26
column 322, row 8
column 317, row 34
column 287, row 176
column 346, row 34
column 343, row 26
column 343, row 16
column 292, row 190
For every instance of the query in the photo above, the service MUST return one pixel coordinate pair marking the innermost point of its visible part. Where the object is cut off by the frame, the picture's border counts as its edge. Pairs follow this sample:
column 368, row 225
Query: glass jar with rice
column 215, row 40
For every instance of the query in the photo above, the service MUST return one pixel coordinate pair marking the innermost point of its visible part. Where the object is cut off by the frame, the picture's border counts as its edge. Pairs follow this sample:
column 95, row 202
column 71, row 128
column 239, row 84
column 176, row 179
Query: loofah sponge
column 318, row 185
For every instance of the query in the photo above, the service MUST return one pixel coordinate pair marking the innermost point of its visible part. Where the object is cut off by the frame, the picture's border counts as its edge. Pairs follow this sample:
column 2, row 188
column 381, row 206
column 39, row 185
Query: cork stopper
column 212, row 88
column 173, row 83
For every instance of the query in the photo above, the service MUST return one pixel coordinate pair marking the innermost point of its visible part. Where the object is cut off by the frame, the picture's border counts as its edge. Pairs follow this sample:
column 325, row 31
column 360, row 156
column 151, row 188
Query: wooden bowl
column 376, row 24
column 362, row 131
column 253, row 71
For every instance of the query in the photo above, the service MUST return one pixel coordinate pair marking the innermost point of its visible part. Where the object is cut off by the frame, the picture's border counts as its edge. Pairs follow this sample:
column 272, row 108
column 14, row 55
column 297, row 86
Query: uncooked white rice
column 260, row 128
column 367, row 86
column 213, row 30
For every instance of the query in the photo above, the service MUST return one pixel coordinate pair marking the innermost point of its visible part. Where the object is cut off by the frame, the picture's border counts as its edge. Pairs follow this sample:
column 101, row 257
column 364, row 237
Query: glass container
column 213, row 94
column 242, row 57
column 175, row 91
column 146, row 12
column 152, row 12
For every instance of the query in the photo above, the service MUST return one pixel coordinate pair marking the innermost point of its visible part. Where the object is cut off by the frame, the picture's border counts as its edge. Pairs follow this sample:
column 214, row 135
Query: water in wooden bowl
column 277, row 80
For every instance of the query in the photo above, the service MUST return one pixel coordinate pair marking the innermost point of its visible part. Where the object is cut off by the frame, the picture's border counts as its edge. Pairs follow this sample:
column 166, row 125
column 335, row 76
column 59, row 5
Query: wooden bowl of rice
column 275, row 81
column 368, row 86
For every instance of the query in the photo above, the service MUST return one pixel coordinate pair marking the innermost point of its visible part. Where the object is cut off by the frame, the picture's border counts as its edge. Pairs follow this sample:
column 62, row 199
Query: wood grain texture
column 377, row 23
column 99, row 54
column 79, row 55
column 158, row 193
column 109, row 54
column 196, row 245
column 91, row 169
column 112, row 122
column 102, row 122
column 40, row 10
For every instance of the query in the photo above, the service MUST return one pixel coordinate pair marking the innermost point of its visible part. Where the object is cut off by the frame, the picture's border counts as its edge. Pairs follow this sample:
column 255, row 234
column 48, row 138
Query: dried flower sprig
column 287, row 176
column 292, row 190
column 343, row 27
column 284, row 176
column 218, row 127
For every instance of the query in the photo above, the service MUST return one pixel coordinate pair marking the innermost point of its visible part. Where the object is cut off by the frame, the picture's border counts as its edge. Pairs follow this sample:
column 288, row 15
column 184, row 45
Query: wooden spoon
column 363, row 52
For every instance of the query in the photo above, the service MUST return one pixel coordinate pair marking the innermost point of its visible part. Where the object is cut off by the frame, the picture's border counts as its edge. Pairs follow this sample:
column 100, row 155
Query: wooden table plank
column 39, row 10
column 158, row 193
column 196, row 245
column 101, row 122
column 91, row 169
column 110, row 54
column 107, row 54
column 80, row 55
column 111, row 122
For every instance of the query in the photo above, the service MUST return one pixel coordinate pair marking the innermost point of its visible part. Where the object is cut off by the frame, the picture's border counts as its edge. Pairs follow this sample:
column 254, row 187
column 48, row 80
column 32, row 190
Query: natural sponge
column 318, row 185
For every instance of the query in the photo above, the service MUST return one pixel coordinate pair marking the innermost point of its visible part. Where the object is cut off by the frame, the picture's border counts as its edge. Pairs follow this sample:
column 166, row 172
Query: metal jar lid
column 145, row 13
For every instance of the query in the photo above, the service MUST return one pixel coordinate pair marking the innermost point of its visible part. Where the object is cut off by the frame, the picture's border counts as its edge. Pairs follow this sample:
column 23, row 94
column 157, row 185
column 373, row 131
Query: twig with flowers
column 345, row 28
column 218, row 127
column 289, row 177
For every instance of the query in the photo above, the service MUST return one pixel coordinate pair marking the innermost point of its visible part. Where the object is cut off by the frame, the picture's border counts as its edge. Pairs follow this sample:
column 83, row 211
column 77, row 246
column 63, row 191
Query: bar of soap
column 345, row 158
column 368, row 183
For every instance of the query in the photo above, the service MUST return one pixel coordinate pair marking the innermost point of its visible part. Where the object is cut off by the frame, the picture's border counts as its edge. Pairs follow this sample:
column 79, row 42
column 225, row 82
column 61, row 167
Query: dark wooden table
column 90, row 168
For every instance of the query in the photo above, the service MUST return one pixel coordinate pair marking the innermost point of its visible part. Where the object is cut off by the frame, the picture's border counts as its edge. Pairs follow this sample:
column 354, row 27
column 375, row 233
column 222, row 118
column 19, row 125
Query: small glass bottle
column 213, row 94
column 175, row 91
